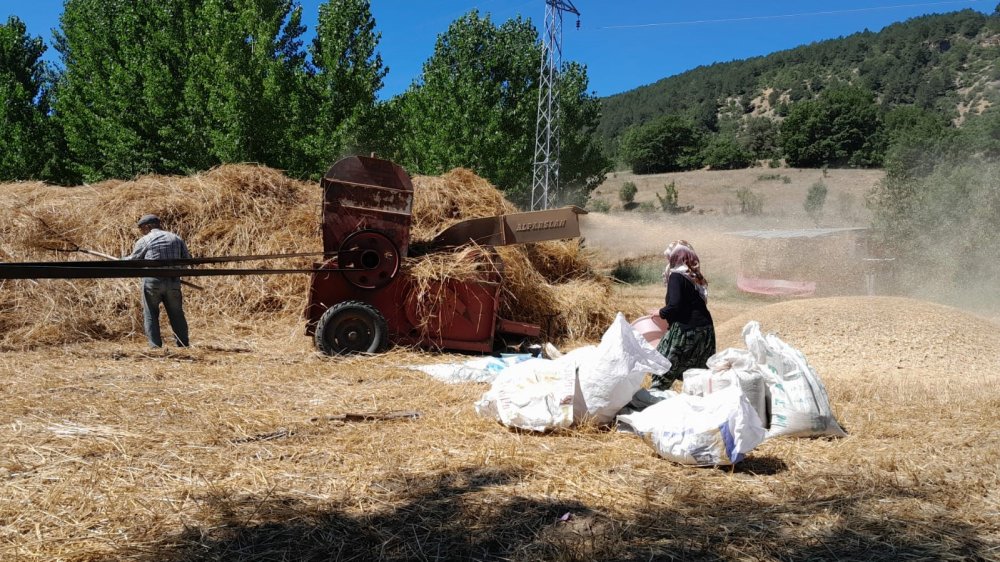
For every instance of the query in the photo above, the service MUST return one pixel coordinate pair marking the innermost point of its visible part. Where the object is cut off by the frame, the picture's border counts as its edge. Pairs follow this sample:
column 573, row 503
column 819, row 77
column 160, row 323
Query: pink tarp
column 779, row 287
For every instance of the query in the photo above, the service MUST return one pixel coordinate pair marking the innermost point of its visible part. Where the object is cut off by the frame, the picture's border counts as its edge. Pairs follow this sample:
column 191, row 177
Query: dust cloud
column 954, row 259
column 943, row 232
column 643, row 237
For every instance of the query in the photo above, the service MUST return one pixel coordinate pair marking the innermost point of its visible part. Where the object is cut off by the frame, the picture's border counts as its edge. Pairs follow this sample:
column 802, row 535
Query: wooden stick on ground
column 372, row 416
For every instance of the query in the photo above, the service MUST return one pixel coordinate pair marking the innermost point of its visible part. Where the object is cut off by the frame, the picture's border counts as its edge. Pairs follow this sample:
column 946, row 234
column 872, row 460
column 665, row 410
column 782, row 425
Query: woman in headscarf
column 690, row 341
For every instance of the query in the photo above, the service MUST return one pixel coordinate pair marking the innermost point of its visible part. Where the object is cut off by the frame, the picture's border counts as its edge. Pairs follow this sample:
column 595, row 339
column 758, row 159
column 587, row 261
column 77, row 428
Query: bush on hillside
column 667, row 144
column 815, row 199
column 724, row 153
column 760, row 136
column 750, row 203
column 668, row 201
column 841, row 127
column 598, row 206
column 627, row 192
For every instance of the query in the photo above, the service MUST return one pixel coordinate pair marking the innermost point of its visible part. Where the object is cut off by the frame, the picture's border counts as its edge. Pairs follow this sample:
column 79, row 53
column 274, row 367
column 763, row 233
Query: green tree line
column 175, row 86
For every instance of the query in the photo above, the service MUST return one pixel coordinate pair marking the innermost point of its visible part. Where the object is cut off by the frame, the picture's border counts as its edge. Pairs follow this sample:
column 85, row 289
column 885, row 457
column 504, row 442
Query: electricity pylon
column 545, row 177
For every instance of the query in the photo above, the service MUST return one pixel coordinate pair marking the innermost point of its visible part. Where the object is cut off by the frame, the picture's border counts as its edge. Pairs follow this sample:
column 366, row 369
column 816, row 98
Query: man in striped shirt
column 158, row 244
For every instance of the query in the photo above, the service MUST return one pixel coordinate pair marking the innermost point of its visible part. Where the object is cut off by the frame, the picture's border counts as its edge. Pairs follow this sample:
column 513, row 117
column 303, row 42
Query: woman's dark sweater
column 684, row 305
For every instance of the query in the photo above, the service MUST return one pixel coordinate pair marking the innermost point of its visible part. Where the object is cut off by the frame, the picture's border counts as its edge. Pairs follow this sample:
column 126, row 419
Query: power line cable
column 781, row 16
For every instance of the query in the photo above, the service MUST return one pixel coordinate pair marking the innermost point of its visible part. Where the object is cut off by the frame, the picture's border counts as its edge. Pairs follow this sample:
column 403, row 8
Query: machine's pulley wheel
column 351, row 327
column 368, row 259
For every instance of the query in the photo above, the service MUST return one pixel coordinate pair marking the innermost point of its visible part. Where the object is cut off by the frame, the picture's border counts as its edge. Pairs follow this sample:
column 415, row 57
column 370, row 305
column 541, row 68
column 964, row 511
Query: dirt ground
column 231, row 450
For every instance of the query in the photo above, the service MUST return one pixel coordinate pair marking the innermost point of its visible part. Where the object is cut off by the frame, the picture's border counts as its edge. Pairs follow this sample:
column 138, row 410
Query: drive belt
column 117, row 269
column 10, row 271
column 179, row 262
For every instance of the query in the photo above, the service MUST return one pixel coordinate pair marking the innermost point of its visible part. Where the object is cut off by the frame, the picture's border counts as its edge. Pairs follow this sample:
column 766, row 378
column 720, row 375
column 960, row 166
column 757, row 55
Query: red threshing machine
column 362, row 298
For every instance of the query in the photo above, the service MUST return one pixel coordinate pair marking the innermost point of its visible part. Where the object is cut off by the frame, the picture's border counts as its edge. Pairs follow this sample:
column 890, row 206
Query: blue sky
column 623, row 43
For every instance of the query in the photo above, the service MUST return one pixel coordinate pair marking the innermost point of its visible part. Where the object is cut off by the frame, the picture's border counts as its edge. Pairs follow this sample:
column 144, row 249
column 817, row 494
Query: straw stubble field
column 227, row 451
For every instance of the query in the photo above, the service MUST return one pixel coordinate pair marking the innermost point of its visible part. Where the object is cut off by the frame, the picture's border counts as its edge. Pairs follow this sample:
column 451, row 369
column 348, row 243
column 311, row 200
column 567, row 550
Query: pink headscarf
column 682, row 259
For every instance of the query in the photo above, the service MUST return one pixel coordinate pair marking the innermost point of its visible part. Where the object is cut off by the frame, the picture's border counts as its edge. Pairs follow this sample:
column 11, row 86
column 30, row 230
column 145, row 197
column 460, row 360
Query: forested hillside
column 943, row 63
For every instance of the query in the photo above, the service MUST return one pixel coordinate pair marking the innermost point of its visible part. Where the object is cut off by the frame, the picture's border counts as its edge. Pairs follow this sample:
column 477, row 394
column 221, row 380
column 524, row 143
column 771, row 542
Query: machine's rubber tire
column 351, row 327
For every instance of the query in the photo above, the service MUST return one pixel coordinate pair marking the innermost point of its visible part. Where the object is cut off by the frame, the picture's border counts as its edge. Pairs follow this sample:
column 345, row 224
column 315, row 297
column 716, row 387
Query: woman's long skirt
column 686, row 348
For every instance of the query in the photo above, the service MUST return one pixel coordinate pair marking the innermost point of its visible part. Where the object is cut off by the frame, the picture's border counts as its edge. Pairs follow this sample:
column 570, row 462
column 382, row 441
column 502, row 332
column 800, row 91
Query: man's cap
column 149, row 219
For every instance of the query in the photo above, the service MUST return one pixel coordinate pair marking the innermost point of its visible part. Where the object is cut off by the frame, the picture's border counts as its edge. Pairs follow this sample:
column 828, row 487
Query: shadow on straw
column 470, row 514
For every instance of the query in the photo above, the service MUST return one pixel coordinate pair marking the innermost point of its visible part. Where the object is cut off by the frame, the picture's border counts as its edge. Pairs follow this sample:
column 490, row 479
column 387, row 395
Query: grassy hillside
column 783, row 191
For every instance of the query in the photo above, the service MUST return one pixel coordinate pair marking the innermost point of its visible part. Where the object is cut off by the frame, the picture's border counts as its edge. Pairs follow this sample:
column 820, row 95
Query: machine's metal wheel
column 351, row 327
column 368, row 259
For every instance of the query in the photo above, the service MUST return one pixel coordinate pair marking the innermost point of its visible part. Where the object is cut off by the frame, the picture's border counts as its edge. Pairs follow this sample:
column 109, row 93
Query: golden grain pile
column 246, row 210
column 880, row 335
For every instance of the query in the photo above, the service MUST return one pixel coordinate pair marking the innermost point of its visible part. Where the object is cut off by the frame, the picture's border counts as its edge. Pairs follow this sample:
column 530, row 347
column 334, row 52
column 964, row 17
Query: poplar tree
column 24, row 133
column 246, row 73
column 120, row 97
column 347, row 74
column 475, row 106
column 179, row 85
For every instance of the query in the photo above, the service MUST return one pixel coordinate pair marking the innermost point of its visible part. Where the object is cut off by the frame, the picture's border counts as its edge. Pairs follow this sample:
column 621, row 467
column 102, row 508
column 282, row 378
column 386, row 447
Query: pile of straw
column 551, row 284
column 245, row 210
column 230, row 210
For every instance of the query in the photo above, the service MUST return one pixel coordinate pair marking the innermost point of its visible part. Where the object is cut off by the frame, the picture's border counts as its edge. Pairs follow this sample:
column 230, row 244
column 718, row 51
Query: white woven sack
column 612, row 373
column 800, row 406
column 536, row 395
column 697, row 380
column 730, row 366
column 714, row 430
